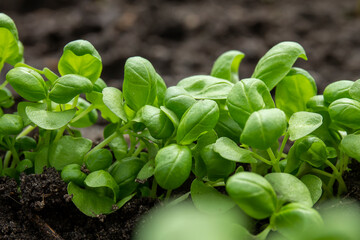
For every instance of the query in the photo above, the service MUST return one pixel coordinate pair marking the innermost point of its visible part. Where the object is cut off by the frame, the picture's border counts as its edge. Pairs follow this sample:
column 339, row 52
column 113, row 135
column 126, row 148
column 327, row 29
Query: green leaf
column 303, row 123
column 6, row 98
column 96, row 98
column 90, row 202
column 253, row 193
column 99, row 85
column 81, row 58
column 24, row 165
column 229, row 150
column 171, row 115
column 208, row 200
column 69, row 86
column 101, row 178
column 317, row 104
column 354, row 90
column 172, row 166
column 68, row 150
column 263, row 128
column 113, row 99
column 200, row 118
column 27, row 83
column 227, row 127
column 159, row 125
column 289, row 188
column 99, row 159
column 345, row 112
column 125, row 172
column 206, row 87
column 160, row 90
column 314, row 184
column 294, row 219
column 49, row 120
column 337, row 90
column 277, row 62
column 89, row 119
column 73, row 173
column 312, row 150
column 11, row 50
column 21, row 110
column 350, row 145
column 216, row 166
column 227, row 64
column 140, row 80
column 146, row 171
column 178, row 100
column 11, row 124
column 293, row 92
column 247, row 96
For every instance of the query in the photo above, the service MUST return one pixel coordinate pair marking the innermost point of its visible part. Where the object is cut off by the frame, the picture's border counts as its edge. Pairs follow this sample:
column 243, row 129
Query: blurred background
column 184, row 37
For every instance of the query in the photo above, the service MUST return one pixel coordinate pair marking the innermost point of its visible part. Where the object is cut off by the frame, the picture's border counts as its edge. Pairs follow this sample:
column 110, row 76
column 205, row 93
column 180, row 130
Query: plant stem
column 110, row 138
column 83, row 113
column 139, row 149
column 336, row 174
column 26, row 131
column 274, row 161
column 257, row 156
column 59, row 134
column 75, row 101
column 168, row 194
column 3, row 84
column 283, row 144
column 321, row 172
column 7, row 159
column 153, row 188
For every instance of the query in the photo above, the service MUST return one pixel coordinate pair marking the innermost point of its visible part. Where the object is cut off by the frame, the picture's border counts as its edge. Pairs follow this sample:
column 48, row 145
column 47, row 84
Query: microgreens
column 220, row 130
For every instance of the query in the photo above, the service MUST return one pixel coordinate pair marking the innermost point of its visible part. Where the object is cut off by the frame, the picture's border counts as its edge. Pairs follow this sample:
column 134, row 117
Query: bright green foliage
column 263, row 128
column 303, row 123
column 277, row 62
column 294, row 218
column 201, row 117
column 178, row 100
column 102, row 179
column 81, row 58
column 68, row 150
column 208, row 200
column 337, row 90
column 113, row 99
column 28, row 83
column 172, row 166
column 350, row 145
column 293, row 92
column 10, row 124
column 140, row 81
column 49, row 120
column 69, row 86
column 229, row 150
column 206, row 87
column 345, row 112
column 247, row 96
column 253, row 193
column 227, row 64
column 89, row 119
column 289, row 188
column 314, row 184
column 73, row 173
column 99, row 159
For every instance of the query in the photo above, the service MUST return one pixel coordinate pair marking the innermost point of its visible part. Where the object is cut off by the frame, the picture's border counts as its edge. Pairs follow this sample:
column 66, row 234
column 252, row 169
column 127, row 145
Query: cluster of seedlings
column 226, row 134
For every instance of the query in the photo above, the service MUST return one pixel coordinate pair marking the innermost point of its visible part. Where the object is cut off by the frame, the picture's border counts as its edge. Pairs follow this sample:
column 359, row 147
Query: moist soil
column 181, row 38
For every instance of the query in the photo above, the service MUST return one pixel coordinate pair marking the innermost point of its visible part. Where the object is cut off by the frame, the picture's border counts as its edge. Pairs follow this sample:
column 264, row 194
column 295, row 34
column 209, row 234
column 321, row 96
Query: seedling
column 220, row 130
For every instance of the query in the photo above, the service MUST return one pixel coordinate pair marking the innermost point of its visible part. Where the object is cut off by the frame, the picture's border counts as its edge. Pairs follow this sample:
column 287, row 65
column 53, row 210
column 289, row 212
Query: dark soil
column 43, row 211
column 181, row 38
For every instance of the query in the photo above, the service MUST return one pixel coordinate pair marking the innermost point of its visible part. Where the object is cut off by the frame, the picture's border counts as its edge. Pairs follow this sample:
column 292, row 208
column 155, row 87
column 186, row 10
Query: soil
column 181, row 38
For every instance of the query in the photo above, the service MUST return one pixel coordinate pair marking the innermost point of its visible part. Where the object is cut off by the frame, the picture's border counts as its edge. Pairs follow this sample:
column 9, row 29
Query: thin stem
column 3, row 84
column 59, row 134
column 274, row 161
column 75, row 101
column 153, row 189
column 26, row 131
column 283, row 144
column 342, row 185
column 7, row 159
column 110, row 138
column 257, row 156
column 321, row 172
column 168, row 194
column 139, row 149
column 83, row 113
